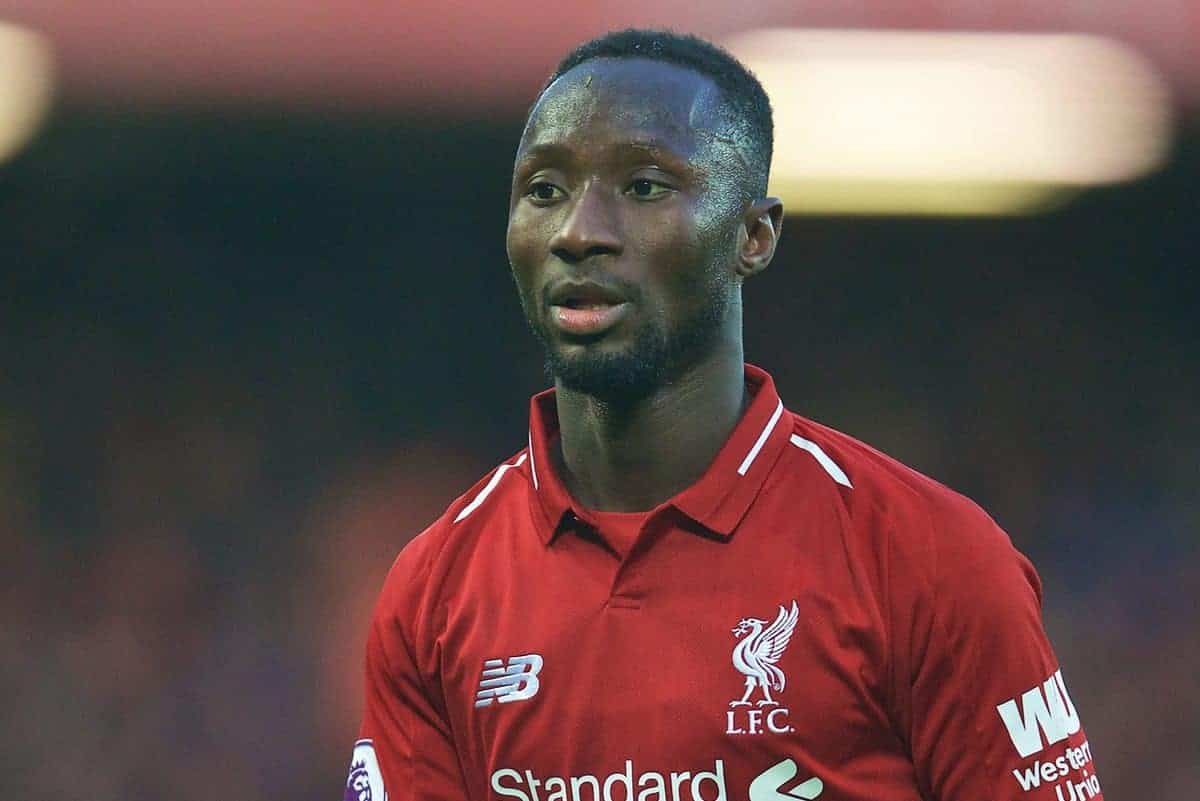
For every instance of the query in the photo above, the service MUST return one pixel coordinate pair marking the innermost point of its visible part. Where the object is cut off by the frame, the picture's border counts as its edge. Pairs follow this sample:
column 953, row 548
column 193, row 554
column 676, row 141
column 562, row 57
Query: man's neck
column 632, row 457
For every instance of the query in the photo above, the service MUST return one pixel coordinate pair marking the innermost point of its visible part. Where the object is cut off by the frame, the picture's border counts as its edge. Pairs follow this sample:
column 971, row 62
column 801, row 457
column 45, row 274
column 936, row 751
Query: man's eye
column 644, row 187
column 544, row 191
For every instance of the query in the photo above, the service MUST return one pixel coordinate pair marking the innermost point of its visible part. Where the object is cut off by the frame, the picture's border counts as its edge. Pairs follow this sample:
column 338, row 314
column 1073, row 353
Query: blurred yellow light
column 953, row 123
column 26, row 82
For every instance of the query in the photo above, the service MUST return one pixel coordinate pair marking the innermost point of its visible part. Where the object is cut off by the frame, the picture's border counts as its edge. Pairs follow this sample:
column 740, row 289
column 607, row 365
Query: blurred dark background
column 246, row 352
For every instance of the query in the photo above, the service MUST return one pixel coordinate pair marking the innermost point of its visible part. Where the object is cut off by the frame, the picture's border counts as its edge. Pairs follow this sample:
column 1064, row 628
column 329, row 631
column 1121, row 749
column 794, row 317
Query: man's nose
column 590, row 227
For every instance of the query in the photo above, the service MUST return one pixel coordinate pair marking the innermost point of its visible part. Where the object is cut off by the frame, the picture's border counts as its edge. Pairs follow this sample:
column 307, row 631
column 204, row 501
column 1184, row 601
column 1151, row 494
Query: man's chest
column 695, row 665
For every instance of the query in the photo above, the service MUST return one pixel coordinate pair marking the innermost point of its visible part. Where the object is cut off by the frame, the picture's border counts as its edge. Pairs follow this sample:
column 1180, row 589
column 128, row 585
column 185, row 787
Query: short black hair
column 740, row 90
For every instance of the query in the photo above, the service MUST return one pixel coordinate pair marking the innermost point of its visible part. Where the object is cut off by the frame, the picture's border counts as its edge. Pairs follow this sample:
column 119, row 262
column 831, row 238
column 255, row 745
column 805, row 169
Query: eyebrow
column 549, row 149
column 651, row 145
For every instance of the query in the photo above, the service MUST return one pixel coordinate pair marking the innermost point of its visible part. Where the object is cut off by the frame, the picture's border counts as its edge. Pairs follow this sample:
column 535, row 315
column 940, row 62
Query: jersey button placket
column 627, row 591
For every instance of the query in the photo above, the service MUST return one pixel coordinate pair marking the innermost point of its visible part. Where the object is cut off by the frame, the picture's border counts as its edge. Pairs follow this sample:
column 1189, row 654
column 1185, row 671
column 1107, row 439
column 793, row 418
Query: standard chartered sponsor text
column 625, row 785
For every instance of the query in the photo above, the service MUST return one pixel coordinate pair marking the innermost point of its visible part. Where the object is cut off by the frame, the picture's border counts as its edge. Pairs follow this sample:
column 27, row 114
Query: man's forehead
column 648, row 100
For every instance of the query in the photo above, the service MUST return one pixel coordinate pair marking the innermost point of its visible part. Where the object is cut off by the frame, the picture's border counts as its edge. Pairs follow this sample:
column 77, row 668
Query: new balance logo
column 510, row 682
column 1045, row 711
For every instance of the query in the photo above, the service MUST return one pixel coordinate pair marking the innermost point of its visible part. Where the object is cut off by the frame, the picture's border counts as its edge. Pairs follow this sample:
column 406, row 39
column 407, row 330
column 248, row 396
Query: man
column 679, row 589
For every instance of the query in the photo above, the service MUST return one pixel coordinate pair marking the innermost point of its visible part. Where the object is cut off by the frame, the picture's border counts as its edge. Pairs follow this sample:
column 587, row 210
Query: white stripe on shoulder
column 823, row 459
column 532, row 466
column 491, row 485
column 762, row 438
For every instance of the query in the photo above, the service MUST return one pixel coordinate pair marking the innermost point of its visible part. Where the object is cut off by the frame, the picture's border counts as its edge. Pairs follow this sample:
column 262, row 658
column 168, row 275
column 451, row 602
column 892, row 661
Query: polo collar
column 718, row 500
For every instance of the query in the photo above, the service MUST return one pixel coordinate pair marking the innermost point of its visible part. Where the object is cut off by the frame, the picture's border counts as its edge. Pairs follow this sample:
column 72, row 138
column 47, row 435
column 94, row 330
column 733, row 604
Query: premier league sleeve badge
column 365, row 782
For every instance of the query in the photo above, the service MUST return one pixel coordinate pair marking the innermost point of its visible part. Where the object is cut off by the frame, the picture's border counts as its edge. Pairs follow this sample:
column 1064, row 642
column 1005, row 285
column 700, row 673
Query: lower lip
column 583, row 322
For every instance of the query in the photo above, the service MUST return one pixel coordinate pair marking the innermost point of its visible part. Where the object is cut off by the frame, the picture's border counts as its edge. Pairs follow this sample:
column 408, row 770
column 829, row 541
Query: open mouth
column 586, row 308
column 579, row 303
column 587, row 318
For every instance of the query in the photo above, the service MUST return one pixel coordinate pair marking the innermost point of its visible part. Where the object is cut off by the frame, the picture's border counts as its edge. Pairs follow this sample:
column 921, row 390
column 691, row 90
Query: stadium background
column 256, row 330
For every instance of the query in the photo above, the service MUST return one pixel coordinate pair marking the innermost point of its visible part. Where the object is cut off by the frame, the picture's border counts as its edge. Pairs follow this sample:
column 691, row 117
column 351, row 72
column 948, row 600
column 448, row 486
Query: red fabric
column 916, row 668
column 619, row 530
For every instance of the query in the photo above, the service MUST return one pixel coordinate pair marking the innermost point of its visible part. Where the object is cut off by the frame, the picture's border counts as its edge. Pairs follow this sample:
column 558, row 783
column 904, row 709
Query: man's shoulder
column 464, row 519
column 929, row 535
column 884, row 494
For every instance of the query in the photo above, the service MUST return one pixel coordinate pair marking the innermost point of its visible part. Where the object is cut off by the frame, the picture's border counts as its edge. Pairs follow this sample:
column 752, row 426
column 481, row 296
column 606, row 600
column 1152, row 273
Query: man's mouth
column 586, row 308
column 587, row 318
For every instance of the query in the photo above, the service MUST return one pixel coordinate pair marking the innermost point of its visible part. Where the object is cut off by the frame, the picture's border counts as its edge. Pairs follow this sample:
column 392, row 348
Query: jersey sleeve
column 990, row 716
column 405, row 750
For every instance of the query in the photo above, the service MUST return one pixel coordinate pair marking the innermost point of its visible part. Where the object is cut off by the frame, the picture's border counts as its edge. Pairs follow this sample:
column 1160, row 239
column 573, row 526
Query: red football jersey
column 809, row 620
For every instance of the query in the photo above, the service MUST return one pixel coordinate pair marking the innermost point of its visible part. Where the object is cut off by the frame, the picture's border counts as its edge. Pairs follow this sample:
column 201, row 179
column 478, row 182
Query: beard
column 655, row 357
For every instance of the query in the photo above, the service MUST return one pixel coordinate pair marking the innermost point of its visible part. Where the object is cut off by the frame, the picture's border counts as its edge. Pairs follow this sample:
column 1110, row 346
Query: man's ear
column 762, row 223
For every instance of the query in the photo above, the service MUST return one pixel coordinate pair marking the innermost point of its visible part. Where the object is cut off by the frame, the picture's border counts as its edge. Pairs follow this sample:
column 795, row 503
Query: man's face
column 623, row 220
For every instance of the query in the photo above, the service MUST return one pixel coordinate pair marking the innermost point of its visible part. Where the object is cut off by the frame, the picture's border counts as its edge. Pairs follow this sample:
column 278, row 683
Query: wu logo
column 756, row 656
column 768, row 785
column 514, row 681
column 1044, row 711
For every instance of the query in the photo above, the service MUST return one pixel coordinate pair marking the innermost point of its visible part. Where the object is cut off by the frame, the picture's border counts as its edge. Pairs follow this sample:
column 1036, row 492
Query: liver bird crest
column 757, row 653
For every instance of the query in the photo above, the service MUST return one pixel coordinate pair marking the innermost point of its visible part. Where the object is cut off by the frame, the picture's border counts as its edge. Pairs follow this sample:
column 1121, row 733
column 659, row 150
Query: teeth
column 586, row 304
